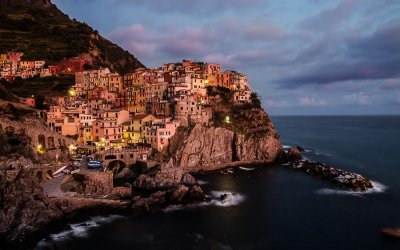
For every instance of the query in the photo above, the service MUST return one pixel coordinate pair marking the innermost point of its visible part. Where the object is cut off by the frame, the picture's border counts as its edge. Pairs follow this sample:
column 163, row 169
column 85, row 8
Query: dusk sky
column 303, row 57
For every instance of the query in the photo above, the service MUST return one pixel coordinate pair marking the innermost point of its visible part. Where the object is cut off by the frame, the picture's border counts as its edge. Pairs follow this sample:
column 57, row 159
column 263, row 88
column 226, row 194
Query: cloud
column 277, row 103
column 192, row 7
column 359, row 57
column 165, row 43
column 311, row 101
column 331, row 19
column 360, row 98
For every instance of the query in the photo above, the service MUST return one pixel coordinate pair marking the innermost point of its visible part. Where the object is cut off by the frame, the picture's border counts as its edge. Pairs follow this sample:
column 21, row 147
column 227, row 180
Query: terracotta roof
column 140, row 116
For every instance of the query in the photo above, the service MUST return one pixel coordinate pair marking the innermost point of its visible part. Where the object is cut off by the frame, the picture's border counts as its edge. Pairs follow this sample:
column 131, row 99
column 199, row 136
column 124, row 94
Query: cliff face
column 24, row 209
column 213, row 147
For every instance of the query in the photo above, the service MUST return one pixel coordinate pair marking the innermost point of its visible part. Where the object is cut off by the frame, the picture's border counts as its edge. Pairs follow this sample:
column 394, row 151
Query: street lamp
column 227, row 120
column 40, row 149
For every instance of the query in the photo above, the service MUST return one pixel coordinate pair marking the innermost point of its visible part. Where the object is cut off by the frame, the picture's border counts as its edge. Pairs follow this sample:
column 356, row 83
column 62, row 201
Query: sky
column 303, row 57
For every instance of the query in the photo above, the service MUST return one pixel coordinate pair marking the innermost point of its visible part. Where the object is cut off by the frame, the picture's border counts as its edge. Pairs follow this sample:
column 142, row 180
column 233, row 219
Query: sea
column 274, row 207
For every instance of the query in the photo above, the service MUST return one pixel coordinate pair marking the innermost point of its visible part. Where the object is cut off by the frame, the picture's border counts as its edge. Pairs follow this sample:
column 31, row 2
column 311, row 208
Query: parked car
column 95, row 164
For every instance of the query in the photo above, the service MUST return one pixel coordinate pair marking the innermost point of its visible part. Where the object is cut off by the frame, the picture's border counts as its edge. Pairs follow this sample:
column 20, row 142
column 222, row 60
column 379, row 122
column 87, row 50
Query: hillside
column 37, row 86
column 41, row 31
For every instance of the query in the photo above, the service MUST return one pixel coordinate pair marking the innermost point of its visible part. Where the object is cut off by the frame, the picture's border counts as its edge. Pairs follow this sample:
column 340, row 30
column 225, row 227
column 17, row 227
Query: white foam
column 322, row 153
column 286, row 146
column 376, row 188
column 202, row 183
column 61, row 236
column 80, row 230
column 232, row 199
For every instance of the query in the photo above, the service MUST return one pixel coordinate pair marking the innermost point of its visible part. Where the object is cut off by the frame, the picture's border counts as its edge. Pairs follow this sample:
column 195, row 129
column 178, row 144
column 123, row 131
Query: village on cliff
column 105, row 110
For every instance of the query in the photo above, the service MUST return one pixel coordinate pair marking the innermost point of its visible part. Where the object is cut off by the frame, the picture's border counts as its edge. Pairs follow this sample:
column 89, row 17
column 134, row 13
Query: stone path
column 52, row 187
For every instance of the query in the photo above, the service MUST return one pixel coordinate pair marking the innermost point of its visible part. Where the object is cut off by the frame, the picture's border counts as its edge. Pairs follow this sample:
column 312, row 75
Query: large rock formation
column 204, row 146
column 165, row 185
column 24, row 209
column 200, row 147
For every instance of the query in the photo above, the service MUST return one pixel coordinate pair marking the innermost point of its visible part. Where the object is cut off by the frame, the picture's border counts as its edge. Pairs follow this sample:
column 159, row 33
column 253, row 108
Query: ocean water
column 275, row 207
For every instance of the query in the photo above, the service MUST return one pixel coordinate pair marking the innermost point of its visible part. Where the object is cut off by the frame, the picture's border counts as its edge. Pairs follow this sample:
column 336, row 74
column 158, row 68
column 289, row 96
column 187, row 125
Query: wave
column 376, row 188
column 322, row 153
column 307, row 150
column 230, row 199
column 78, row 230
column 202, row 183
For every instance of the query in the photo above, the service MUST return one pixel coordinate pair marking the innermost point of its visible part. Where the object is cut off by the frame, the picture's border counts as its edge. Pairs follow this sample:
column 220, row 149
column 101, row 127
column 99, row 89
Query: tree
column 87, row 66
column 255, row 100
column 39, row 101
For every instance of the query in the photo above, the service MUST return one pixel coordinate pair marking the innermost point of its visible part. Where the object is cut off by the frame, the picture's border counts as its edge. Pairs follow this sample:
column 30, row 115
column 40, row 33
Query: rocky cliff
column 24, row 209
column 26, row 212
column 248, row 138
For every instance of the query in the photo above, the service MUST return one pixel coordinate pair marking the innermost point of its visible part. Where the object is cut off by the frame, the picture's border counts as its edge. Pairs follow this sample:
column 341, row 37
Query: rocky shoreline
column 338, row 177
column 28, row 215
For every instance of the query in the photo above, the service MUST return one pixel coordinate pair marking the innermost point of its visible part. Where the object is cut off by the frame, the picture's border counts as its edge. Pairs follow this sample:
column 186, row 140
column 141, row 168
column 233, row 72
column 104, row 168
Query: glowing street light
column 72, row 92
column 72, row 147
column 40, row 149
column 227, row 120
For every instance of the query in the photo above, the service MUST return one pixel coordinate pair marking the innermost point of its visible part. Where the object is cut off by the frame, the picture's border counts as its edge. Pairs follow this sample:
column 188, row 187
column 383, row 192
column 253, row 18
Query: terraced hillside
column 41, row 31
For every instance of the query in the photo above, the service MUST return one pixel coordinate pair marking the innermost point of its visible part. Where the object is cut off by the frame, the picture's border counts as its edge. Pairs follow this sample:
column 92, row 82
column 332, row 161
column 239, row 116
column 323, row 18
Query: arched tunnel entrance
column 116, row 166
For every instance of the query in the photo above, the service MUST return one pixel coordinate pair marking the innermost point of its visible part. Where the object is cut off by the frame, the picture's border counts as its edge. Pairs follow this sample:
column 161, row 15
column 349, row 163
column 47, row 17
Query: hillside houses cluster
column 146, row 106
column 12, row 66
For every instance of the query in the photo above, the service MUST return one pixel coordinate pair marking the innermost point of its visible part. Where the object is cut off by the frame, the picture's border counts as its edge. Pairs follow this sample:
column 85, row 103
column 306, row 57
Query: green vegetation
column 246, row 118
column 43, row 32
column 36, row 86
column 255, row 100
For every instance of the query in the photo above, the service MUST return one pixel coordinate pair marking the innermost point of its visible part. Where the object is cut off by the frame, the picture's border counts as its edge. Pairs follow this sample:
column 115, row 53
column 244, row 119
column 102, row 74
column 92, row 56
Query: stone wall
column 92, row 183
column 53, row 146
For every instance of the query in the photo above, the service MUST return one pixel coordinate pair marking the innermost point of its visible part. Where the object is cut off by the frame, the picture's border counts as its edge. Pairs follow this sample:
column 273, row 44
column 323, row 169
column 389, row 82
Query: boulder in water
column 294, row 153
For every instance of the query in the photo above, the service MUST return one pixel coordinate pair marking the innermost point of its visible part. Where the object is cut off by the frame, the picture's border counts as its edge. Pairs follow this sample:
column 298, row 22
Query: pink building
column 14, row 56
column 98, row 130
column 160, row 132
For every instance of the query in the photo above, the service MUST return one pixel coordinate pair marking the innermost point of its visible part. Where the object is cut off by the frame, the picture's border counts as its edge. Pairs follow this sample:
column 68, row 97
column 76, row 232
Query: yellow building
column 133, row 132
column 136, row 98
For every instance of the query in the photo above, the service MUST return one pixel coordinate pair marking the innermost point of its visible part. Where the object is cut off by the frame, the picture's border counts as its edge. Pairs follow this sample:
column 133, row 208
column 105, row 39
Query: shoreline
column 79, row 209
column 91, row 208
